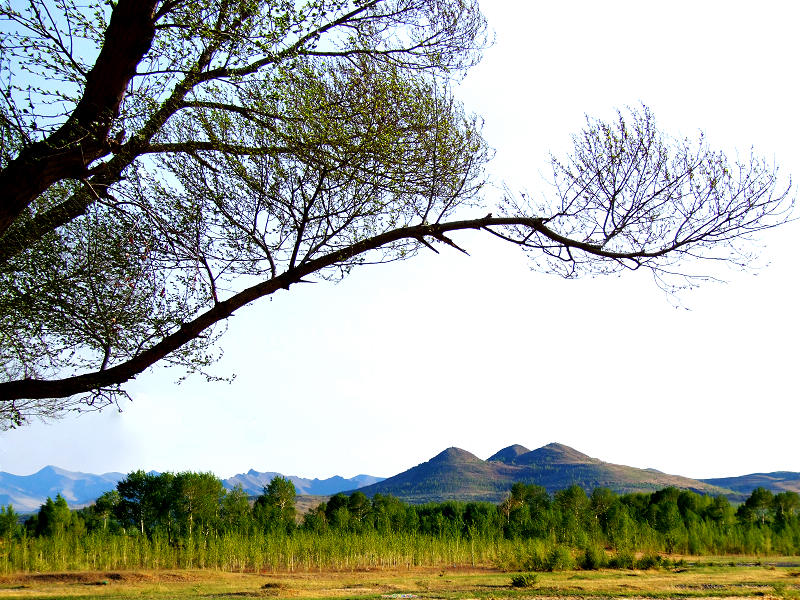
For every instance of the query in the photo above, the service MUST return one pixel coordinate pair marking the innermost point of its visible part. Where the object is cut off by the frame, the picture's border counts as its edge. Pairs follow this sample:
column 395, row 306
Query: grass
column 716, row 579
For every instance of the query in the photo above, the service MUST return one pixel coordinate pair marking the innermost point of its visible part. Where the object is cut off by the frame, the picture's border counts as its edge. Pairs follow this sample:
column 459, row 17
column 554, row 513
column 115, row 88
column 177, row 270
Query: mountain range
column 453, row 474
column 456, row 474
column 253, row 483
column 28, row 492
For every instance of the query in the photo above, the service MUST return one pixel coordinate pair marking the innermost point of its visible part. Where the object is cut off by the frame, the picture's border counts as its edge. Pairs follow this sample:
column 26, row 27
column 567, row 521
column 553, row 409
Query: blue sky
column 385, row 369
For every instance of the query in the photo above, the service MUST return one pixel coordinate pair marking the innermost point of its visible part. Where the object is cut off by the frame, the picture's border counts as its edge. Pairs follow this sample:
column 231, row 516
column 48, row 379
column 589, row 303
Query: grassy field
column 737, row 578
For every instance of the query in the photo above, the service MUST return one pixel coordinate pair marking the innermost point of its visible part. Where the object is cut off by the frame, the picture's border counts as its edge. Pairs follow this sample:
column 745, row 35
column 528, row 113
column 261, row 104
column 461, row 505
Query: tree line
column 195, row 506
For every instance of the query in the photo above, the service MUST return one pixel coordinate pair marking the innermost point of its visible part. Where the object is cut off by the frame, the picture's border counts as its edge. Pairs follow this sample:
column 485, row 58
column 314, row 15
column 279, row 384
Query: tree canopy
column 185, row 508
column 163, row 163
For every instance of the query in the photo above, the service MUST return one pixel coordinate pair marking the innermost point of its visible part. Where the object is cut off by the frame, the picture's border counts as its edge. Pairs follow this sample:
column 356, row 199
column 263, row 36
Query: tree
column 105, row 505
column 575, row 514
column 145, row 501
column 235, row 511
column 9, row 522
column 336, row 513
column 359, row 506
column 54, row 518
column 274, row 508
column 720, row 511
column 388, row 513
column 196, row 499
column 786, row 506
column 758, row 508
column 602, row 500
column 163, row 163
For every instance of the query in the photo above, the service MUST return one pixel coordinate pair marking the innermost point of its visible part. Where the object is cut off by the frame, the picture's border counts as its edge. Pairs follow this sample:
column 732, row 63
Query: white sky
column 384, row 370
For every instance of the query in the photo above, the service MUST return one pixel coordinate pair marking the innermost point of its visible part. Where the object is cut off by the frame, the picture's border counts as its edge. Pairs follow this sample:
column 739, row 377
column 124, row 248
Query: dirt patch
column 105, row 578
column 41, row 578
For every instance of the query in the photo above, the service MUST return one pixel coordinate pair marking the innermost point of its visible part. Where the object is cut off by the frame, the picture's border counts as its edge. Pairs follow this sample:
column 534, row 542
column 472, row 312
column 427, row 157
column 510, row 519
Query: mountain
column 29, row 492
column 778, row 481
column 555, row 454
column 456, row 474
column 253, row 483
column 453, row 474
column 509, row 455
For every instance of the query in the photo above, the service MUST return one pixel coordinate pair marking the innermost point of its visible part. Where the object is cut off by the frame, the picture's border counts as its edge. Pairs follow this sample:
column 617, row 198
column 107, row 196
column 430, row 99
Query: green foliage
column 145, row 501
column 9, row 522
column 560, row 559
column 189, row 520
column 649, row 561
column 274, row 508
column 594, row 557
column 195, row 501
column 623, row 559
column 235, row 511
column 56, row 519
column 524, row 580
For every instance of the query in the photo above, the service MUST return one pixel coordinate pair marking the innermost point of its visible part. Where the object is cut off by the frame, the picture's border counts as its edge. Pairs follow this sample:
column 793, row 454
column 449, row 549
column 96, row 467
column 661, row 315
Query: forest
column 190, row 520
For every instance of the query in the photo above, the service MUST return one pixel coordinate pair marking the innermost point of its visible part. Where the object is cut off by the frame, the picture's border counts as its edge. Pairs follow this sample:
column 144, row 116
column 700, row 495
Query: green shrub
column 622, row 560
column 649, row 561
column 524, row 580
column 593, row 558
column 560, row 559
column 537, row 559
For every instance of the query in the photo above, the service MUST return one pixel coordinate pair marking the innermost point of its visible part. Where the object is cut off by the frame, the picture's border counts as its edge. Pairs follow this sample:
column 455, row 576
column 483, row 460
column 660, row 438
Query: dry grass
column 719, row 581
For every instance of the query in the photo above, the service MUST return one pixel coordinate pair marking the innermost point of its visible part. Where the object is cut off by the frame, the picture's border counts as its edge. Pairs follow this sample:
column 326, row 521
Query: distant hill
column 453, row 474
column 509, row 455
column 456, row 474
column 27, row 493
column 253, row 483
column 779, row 481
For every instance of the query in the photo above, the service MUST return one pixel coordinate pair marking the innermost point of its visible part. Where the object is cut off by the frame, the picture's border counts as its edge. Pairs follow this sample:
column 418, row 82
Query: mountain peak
column 556, row 453
column 53, row 471
column 455, row 455
column 509, row 454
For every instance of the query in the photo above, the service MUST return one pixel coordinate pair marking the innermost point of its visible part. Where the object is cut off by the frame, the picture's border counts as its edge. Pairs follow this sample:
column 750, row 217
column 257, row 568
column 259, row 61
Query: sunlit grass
column 717, row 581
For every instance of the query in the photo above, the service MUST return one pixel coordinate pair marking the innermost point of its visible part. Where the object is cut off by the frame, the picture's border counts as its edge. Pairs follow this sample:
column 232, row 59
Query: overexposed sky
column 382, row 371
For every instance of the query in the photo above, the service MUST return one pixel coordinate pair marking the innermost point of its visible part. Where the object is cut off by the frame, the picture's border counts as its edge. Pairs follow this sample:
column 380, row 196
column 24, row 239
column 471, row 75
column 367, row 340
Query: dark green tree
column 275, row 507
column 100, row 516
column 389, row 514
column 316, row 520
column 720, row 511
column 336, row 513
column 196, row 500
column 235, row 513
column 9, row 522
column 758, row 508
column 359, row 506
column 105, row 505
column 55, row 518
column 602, row 501
column 786, row 507
column 574, row 515
column 146, row 501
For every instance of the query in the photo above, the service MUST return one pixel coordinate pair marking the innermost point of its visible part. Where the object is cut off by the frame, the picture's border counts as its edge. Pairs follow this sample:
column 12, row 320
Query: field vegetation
column 189, row 521
column 718, row 578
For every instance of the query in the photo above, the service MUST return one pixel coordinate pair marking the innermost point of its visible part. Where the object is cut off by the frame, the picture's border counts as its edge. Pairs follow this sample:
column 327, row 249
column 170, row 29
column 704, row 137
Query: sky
column 382, row 371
